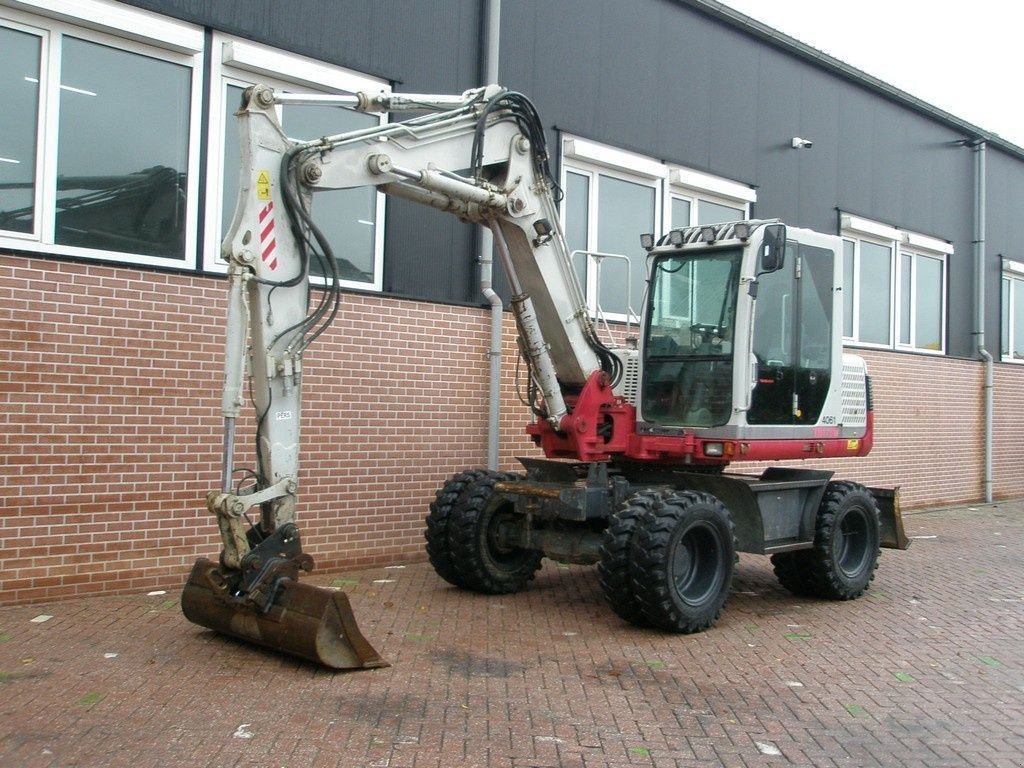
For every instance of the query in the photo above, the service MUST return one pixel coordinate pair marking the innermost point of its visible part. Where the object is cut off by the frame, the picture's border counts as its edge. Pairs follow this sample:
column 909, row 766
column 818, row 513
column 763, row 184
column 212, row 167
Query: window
column 1012, row 337
column 921, row 320
column 606, row 209
column 98, row 136
column 698, row 198
column 351, row 219
column 894, row 286
column 688, row 365
column 612, row 197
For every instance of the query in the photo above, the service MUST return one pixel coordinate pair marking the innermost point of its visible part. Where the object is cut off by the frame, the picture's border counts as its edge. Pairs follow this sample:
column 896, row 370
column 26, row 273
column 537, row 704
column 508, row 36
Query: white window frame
column 593, row 159
column 695, row 187
column 123, row 28
column 1013, row 271
column 588, row 158
column 900, row 242
column 236, row 61
column 916, row 256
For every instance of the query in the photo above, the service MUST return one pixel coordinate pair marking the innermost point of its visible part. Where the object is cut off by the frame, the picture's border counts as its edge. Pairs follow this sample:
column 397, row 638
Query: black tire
column 439, row 550
column 482, row 561
column 842, row 563
column 615, row 565
column 684, row 554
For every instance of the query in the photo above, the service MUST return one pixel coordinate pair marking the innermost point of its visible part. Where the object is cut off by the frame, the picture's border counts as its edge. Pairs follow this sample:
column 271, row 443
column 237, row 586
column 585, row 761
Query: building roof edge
column 744, row 23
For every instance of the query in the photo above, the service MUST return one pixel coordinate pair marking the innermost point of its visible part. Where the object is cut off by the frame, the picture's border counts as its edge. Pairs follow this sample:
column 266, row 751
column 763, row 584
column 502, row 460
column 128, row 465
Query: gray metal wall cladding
column 420, row 46
column 661, row 78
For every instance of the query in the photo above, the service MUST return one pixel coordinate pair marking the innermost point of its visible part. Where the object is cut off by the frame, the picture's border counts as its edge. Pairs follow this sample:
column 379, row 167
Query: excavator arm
column 480, row 156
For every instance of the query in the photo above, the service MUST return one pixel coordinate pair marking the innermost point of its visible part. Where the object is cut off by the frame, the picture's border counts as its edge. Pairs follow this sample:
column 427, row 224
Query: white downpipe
column 485, row 244
column 979, row 265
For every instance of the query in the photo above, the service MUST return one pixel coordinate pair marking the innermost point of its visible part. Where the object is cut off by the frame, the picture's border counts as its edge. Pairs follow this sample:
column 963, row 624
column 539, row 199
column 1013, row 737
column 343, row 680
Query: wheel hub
column 695, row 564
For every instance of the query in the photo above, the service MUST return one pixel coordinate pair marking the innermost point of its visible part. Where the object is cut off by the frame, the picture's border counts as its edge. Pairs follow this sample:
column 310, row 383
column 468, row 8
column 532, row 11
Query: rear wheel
column 843, row 560
column 683, row 553
column 438, row 547
column 482, row 532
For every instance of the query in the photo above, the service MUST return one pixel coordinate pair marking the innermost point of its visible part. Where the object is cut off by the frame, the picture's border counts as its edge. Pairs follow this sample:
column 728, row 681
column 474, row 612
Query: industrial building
column 118, row 174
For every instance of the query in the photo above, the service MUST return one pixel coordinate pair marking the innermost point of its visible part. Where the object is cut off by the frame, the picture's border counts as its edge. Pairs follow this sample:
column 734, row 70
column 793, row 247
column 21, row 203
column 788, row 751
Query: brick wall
column 110, row 386
column 110, row 383
column 928, row 438
column 1008, row 431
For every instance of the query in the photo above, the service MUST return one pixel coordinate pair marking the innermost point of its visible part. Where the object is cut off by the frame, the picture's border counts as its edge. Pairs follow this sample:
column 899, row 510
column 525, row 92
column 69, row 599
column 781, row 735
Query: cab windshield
column 688, row 349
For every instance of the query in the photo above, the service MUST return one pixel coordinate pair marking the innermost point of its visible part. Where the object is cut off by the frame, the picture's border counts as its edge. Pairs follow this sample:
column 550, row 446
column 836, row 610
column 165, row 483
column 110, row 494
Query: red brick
column 111, row 414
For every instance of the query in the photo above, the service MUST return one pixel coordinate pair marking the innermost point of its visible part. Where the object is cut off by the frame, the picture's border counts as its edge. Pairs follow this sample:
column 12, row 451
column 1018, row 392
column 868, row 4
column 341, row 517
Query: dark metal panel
column 423, row 47
column 414, row 43
column 674, row 82
column 429, row 255
column 1005, row 234
column 729, row 103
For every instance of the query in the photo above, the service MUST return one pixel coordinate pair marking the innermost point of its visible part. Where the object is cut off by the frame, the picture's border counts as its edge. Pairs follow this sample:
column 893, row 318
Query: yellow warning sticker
column 263, row 186
column 853, row 445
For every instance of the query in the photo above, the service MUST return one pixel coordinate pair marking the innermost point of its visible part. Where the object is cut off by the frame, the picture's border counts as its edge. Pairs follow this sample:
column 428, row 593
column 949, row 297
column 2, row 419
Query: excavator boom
column 253, row 591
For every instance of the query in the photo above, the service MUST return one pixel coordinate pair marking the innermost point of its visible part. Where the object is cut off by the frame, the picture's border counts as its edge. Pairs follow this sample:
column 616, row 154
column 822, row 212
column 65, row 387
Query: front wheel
column 843, row 560
column 683, row 556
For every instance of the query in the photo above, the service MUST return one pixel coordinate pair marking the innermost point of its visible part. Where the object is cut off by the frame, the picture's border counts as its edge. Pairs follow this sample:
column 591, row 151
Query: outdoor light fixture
column 708, row 234
column 741, row 230
column 676, row 237
column 646, row 241
column 798, row 143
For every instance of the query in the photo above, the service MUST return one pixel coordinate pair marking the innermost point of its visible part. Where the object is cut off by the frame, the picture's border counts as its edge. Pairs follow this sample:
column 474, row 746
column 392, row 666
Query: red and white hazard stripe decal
column 268, row 243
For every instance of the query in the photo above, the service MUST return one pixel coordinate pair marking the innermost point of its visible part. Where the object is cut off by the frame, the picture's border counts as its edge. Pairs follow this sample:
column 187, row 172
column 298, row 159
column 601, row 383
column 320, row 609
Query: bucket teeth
column 302, row 620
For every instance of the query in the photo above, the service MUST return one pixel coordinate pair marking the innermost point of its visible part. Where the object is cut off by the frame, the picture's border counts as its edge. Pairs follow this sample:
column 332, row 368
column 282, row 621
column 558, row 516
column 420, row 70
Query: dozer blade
column 313, row 623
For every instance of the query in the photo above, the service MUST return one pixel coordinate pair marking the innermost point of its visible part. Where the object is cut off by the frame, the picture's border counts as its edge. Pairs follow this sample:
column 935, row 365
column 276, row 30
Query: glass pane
column 775, row 325
column 929, row 294
column 19, row 93
column 680, row 213
column 347, row 217
column 577, row 220
column 906, row 290
column 229, row 176
column 688, row 364
column 122, row 152
column 848, row 296
column 814, row 361
column 875, row 293
column 1004, row 337
column 713, row 213
column 624, row 211
column 1018, row 319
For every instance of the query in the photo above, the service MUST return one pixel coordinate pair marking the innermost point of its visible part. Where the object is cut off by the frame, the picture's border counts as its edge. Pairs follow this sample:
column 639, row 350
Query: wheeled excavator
column 739, row 358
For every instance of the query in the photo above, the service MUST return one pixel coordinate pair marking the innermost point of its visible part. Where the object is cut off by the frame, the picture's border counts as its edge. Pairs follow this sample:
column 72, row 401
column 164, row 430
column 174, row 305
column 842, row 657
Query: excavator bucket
column 302, row 620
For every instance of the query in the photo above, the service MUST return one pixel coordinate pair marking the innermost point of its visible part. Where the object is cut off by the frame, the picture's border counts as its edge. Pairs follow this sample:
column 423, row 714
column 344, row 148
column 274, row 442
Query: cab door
column 792, row 338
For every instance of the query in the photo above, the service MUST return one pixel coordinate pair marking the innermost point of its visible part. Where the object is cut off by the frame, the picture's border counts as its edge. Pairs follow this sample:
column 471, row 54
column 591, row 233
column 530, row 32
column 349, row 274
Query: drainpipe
column 490, row 47
column 979, row 265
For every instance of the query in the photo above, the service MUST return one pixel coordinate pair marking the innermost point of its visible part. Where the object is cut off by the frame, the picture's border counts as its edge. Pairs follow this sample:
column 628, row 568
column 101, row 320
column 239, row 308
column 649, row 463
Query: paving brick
column 926, row 670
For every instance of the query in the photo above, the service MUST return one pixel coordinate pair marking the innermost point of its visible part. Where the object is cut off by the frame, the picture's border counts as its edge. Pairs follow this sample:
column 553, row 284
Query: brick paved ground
column 927, row 671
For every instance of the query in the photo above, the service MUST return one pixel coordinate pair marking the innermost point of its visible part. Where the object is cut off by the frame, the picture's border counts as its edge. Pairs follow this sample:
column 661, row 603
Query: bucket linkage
column 263, row 602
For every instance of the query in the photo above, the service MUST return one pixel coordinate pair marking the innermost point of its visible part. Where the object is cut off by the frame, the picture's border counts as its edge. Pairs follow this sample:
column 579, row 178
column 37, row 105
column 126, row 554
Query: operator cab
column 741, row 332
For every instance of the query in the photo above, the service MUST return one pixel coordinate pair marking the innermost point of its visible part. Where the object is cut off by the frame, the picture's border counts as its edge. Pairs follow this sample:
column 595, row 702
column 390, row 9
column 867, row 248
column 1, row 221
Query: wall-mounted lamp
column 799, row 143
